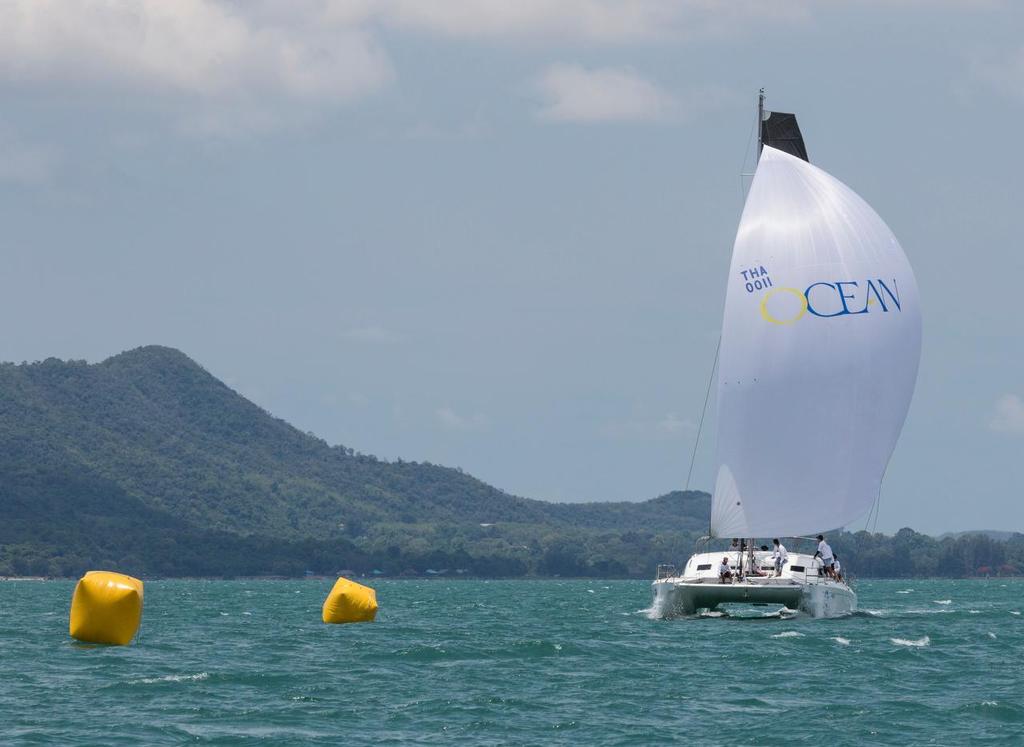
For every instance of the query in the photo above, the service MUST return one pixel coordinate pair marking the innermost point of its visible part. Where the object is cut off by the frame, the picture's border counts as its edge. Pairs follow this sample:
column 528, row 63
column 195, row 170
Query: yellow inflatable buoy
column 106, row 608
column 350, row 602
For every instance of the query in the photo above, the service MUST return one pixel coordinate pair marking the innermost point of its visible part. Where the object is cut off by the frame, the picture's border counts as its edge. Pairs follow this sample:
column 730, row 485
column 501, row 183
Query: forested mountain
column 157, row 425
column 148, row 464
column 112, row 460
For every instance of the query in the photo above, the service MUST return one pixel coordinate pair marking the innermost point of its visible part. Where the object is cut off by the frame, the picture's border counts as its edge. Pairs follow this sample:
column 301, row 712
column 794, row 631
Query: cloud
column 667, row 427
column 224, row 68
column 24, row 163
column 574, row 94
column 1002, row 72
column 358, row 399
column 672, row 423
column 1009, row 415
column 597, row 20
column 217, row 67
column 593, row 21
column 373, row 334
column 207, row 52
column 453, row 421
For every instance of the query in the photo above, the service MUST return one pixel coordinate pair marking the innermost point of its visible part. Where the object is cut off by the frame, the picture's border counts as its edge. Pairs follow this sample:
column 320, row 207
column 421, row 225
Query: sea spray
column 919, row 643
column 171, row 678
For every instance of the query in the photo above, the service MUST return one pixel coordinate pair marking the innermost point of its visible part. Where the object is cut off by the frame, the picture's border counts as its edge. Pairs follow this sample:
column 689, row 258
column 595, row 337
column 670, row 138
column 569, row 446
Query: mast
column 760, row 119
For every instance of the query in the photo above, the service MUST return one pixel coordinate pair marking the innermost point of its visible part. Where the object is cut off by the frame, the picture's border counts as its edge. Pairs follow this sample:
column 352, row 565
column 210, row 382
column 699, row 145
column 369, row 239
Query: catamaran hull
column 673, row 598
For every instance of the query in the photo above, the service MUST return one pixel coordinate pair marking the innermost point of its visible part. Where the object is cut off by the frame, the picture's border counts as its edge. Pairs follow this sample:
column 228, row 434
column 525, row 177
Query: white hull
column 675, row 597
column 798, row 588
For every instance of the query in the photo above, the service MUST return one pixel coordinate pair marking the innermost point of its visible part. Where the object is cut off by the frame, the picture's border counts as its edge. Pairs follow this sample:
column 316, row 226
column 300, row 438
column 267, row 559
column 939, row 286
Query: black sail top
column 781, row 131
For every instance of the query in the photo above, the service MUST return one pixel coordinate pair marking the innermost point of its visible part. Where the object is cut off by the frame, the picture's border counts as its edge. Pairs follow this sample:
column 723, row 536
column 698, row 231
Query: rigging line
column 746, row 153
column 703, row 412
column 874, row 508
column 867, row 519
column 878, row 501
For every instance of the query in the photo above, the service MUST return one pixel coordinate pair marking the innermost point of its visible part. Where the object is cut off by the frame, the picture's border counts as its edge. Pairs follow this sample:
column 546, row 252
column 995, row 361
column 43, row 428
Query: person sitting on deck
column 780, row 556
column 825, row 553
column 724, row 574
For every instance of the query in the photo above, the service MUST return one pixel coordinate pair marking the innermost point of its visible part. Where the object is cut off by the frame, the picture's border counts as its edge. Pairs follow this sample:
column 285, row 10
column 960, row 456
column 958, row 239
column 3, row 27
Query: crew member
column 837, row 569
column 780, row 556
column 825, row 553
column 724, row 574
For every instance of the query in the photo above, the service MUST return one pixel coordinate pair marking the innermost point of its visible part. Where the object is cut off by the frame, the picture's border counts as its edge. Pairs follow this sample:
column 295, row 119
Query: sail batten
column 820, row 348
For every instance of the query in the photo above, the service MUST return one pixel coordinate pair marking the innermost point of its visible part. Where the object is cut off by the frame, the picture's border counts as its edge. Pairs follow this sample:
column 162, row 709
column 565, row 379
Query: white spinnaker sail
column 820, row 346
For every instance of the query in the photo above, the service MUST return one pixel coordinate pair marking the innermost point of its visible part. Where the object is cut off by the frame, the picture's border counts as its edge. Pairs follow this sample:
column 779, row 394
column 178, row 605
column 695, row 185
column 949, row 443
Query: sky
column 494, row 234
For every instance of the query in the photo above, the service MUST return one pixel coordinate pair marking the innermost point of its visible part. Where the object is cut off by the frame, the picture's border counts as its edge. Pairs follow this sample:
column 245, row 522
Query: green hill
column 146, row 459
column 147, row 464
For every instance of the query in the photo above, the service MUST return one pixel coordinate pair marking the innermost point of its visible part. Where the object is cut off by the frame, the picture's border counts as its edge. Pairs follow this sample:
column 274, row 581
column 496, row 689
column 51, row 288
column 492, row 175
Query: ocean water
column 515, row 662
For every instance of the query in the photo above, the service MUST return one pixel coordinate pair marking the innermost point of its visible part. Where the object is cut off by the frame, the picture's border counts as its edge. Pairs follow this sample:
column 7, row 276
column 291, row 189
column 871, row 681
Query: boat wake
column 782, row 614
column 739, row 613
column 870, row 613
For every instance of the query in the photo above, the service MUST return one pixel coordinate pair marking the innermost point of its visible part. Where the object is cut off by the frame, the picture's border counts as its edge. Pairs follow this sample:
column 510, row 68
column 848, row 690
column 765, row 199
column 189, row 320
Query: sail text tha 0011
column 820, row 346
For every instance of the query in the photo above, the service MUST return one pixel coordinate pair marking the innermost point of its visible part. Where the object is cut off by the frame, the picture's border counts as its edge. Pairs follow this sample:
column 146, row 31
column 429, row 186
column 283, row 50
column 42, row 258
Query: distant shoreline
column 592, row 579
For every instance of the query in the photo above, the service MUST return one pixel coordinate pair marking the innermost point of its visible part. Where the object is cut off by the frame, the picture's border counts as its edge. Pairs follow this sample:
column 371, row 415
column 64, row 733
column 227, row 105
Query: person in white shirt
column 780, row 556
column 825, row 553
column 724, row 574
column 837, row 569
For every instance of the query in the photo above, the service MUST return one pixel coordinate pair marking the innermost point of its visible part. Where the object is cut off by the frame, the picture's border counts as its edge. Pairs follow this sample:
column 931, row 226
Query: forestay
column 820, row 346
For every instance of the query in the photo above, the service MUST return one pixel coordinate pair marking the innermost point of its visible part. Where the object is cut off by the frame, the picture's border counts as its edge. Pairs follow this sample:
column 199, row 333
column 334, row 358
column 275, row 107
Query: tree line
column 500, row 551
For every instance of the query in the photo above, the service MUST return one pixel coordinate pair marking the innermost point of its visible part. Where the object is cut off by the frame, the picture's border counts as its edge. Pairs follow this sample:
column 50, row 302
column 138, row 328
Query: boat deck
column 798, row 587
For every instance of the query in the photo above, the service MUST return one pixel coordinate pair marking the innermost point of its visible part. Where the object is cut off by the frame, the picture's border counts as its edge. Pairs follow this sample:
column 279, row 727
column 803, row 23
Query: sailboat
column 819, row 350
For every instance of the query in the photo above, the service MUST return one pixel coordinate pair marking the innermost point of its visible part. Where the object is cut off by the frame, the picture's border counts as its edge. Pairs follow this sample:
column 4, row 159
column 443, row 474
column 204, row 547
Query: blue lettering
column 878, row 297
column 895, row 297
column 750, row 287
column 763, row 271
column 875, row 292
column 844, row 298
column 810, row 306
